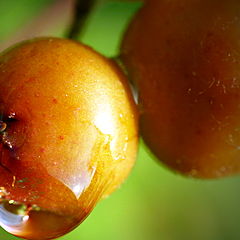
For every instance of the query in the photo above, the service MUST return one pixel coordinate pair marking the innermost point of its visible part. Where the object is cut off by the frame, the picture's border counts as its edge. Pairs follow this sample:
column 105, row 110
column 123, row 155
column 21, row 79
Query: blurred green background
column 154, row 203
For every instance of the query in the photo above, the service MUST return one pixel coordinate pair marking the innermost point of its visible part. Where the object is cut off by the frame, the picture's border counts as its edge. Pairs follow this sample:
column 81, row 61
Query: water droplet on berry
column 31, row 222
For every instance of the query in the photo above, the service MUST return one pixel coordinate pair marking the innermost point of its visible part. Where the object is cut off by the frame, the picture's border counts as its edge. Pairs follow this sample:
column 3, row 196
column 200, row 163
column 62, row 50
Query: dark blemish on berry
column 61, row 137
column 55, row 101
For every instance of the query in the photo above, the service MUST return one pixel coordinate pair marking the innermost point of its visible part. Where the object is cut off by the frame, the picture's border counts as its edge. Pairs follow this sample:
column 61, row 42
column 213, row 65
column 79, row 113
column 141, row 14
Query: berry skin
column 68, row 135
column 184, row 58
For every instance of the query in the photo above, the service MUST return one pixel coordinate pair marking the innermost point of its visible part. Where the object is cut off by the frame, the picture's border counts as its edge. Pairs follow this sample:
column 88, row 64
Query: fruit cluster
column 69, row 124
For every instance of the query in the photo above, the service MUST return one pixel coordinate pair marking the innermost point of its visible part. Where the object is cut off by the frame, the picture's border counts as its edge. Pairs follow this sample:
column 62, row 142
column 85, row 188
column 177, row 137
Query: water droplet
column 24, row 221
column 6, row 141
column 12, row 215
column 3, row 126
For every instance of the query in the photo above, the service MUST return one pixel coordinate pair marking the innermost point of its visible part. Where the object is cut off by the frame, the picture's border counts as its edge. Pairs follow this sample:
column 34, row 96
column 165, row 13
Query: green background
column 154, row 203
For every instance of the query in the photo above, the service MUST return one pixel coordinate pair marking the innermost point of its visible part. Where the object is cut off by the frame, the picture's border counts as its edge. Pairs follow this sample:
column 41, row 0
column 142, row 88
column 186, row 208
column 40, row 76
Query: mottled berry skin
column 71, row 136
column 184, row 58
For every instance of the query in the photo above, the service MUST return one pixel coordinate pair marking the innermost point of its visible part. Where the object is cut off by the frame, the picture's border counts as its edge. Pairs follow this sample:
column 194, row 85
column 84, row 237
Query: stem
column 81, row 12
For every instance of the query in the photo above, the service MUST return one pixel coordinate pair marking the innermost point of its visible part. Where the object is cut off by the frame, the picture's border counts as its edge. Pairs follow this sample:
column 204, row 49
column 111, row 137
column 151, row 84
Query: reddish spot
column 30, row 80
column 61, row 137
column 55, row 101
column 42, row 150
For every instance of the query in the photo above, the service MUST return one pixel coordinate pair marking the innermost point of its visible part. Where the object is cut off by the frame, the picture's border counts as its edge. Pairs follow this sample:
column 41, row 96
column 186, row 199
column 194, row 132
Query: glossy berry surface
column 184, row 58
column 68, row 135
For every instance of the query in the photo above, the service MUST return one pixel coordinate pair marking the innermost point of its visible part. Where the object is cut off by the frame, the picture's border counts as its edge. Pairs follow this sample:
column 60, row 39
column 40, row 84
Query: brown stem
column 81, row 12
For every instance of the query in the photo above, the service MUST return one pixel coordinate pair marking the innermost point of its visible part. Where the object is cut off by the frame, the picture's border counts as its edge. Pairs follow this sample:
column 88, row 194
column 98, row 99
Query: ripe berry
column 184, row 58
column 68, row 135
